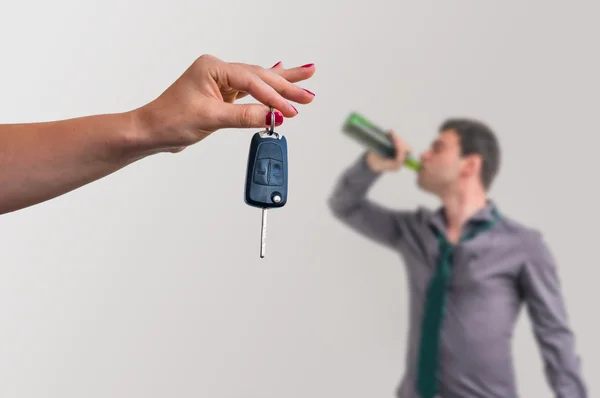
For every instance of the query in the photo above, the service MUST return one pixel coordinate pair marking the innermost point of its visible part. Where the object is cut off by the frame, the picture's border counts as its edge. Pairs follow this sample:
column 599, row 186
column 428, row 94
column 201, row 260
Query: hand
column 379, row 164
column 202, row 100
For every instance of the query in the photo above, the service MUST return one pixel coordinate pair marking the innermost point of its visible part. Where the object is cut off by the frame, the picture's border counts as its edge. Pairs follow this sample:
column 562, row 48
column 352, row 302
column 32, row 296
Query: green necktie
column 434, row 311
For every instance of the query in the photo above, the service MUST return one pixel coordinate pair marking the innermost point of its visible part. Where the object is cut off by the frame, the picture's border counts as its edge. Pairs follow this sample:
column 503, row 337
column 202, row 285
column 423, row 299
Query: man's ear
column 472, row 165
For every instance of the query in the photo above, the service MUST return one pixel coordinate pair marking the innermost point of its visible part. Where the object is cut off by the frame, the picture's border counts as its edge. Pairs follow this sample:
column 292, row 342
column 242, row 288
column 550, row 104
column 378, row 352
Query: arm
column 349, row 204
column 546, row 308
column 40, row 161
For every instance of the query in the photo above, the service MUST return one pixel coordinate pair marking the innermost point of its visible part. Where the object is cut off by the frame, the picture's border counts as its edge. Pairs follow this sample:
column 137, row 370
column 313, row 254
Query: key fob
column 267, row 171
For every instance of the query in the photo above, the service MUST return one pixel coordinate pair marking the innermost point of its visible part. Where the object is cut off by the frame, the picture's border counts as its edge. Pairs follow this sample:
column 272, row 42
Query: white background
column 148, row 283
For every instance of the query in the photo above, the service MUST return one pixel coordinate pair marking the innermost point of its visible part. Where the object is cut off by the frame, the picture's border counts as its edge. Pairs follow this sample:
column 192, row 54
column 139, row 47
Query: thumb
column 246, row 116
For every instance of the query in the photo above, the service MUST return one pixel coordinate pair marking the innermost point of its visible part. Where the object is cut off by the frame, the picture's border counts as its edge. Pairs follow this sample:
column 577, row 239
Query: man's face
column 441, row 164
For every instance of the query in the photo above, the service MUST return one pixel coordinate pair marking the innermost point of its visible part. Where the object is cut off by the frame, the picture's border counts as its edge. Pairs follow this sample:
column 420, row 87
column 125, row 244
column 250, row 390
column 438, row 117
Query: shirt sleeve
column 349, row 204
column 547, row 311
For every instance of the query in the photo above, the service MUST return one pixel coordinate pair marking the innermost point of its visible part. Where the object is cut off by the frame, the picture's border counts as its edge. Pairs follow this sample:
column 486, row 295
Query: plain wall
column 148, row 283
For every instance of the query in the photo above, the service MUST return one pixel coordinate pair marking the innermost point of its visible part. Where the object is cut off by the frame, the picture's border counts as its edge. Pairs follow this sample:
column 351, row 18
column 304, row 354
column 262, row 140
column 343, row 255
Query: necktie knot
column 445, row 250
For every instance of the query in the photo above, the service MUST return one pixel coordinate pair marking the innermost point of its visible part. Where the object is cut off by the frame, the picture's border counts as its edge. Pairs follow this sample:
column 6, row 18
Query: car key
column 267, row 174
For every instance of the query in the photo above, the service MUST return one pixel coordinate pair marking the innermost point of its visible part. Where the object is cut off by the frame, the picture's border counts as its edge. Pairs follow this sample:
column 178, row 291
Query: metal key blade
column 263, row 233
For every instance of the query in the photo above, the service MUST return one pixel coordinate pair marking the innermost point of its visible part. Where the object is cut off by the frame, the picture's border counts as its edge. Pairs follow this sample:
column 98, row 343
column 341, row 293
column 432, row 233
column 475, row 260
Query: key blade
column 263, row 233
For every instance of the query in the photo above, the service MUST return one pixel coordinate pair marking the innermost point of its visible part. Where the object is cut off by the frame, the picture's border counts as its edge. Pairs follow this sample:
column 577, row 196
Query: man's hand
column 379, row 164
column 202, row 100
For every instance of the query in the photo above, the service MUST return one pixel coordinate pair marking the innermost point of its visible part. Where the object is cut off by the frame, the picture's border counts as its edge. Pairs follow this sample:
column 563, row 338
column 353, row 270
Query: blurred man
column 470, row 268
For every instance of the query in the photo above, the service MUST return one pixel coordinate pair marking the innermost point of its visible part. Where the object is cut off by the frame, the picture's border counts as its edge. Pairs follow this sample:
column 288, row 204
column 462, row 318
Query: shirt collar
column 485, row 214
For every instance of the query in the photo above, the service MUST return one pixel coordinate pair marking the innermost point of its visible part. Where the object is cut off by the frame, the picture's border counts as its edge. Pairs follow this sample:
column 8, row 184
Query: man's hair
column 475, row 137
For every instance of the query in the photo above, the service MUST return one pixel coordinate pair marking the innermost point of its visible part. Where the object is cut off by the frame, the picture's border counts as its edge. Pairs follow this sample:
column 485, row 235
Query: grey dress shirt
column 492, row 275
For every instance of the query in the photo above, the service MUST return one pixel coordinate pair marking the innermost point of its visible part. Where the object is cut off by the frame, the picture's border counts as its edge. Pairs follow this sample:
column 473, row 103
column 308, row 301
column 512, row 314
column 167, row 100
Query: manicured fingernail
column 310, row 92
column 294, row 108
column 307, row 65
column 275, row 64
column 278, row 118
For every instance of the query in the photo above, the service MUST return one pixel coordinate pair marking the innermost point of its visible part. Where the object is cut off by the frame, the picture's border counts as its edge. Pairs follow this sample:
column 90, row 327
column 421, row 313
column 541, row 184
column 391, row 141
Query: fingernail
column 307, row 65
column 310, row 92
column 275, row 64
column 294, row 108
column 278, row 118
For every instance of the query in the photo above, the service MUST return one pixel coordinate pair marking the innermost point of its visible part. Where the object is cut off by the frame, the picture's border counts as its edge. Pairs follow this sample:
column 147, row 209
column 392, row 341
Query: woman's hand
column 202, row 100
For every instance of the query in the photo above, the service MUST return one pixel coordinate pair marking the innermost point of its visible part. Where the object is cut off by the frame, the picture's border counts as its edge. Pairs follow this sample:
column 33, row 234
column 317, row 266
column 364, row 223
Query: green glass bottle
column 374, row 138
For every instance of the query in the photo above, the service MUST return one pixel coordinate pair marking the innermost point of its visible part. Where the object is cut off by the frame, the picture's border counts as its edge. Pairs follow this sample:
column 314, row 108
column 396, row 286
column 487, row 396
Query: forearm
column 349, row 204
column 40, row 161
column 556, row 341
column 563, row 364
column 352, row 187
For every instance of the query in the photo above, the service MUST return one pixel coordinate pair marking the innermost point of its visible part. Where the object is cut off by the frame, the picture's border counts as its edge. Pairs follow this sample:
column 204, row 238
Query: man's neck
column 460, row 206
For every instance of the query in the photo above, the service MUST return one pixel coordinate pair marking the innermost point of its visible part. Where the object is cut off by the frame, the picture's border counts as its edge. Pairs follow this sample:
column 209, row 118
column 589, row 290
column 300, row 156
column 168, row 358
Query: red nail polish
column 307, row 65
column 310, row 92
column 275, row 64
column 294, row 108
column 278, row 118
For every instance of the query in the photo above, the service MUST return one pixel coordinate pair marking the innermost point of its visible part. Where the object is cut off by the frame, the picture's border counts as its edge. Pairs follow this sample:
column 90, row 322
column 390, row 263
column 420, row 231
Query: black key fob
column 267, row 171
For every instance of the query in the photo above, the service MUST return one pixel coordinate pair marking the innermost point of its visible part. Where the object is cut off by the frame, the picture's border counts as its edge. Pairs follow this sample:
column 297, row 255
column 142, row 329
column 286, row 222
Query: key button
column 276, row 173
column 269, row 150
column 261, row 170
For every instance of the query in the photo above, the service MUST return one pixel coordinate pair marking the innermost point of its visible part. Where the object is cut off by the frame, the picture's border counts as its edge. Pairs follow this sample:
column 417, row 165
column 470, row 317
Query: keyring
column 271, row 130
